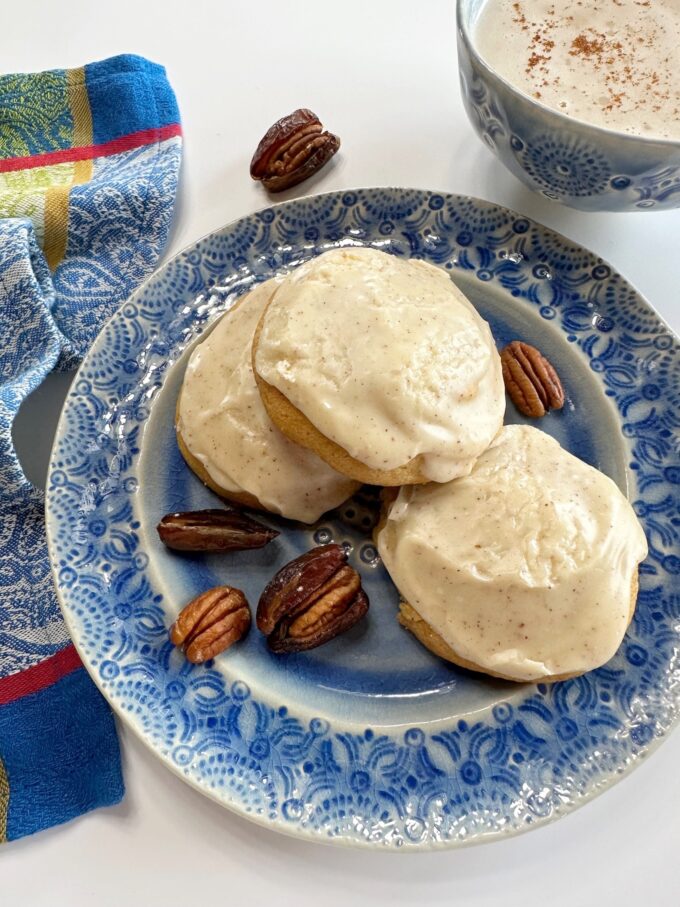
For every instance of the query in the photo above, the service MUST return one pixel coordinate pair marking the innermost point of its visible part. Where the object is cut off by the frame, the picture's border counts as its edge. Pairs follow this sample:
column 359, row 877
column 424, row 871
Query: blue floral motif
column 565, row 166
column 534, row 751
column 659, row 188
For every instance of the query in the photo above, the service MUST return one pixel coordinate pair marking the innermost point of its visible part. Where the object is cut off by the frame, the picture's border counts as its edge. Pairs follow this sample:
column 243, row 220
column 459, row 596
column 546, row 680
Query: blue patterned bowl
column 584, row 166
column 370, row 740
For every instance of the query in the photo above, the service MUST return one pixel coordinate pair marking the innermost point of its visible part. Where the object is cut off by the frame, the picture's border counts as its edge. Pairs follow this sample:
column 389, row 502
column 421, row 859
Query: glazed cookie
column 381, row 366
column 227, row 438
column 526, row 569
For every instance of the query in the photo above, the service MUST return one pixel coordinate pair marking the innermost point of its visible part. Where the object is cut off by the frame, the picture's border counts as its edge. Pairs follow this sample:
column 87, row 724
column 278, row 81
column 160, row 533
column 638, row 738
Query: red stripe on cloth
column 42, row 675
column 87, row 152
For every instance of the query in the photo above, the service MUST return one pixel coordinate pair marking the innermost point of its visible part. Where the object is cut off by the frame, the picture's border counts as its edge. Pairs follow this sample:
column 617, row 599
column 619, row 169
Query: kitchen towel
column 89, row 163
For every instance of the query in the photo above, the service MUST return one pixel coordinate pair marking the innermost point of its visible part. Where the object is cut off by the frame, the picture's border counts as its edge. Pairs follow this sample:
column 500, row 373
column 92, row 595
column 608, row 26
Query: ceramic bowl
column 564, row 159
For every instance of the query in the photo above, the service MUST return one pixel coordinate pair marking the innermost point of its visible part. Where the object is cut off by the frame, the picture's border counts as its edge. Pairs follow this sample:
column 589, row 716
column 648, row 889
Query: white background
column 383, row 76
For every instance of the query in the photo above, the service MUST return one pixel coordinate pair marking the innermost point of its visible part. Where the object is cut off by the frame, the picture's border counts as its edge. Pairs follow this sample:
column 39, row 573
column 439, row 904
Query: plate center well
column 377, row 673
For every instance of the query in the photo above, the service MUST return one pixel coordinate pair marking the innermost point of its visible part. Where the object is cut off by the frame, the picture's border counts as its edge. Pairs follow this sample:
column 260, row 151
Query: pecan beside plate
column 291, row 150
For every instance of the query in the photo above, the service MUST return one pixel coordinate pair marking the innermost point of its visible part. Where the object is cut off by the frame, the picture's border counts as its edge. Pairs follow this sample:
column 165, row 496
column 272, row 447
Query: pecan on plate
column 213, row 530
column 294, row 148
column 311, row 600
column 530, row 380
column 210, row 623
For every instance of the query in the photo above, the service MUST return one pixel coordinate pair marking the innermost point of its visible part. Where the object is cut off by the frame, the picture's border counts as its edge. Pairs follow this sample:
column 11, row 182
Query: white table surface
column 383, row 76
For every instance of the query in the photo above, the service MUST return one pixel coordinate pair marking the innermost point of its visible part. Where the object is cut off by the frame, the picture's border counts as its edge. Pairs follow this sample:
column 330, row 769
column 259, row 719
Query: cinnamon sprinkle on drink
column 615, row 63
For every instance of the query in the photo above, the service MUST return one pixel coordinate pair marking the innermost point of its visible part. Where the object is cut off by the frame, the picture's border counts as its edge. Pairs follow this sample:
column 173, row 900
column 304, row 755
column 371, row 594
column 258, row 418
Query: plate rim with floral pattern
column 520, row 766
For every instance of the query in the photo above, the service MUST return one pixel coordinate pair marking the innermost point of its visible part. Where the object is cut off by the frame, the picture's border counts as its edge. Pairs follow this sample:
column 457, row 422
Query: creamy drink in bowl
column 612, row 63
column 580, row 99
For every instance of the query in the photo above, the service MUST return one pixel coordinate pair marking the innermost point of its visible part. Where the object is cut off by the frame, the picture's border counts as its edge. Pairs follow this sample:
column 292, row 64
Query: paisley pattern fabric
column 117, row 224
column 89, row 161
column 27, row 634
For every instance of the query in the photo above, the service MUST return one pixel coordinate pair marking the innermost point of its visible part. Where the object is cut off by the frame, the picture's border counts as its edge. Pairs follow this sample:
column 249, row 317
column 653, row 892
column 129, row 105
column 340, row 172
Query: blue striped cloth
column 89, row 163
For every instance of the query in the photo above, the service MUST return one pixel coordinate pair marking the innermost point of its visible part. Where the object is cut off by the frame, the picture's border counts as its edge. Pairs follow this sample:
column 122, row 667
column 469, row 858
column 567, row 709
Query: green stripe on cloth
column 35, row 115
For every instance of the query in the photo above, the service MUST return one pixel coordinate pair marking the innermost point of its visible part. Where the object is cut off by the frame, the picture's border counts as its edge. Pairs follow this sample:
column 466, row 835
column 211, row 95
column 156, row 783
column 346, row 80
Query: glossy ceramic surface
column 369, row 740
column 564, row 159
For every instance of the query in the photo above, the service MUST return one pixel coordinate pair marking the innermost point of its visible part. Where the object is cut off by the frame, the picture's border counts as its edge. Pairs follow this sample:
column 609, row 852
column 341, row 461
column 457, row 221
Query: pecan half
column 294, row 148
column 530, row 380
column 210, row 623
column 311, row 600
column 213, row 530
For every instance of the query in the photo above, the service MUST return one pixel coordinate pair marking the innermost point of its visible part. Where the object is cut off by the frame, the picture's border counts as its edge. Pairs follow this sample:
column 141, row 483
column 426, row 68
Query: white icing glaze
column 524, row 567
column 225, row 426
column 387, row 358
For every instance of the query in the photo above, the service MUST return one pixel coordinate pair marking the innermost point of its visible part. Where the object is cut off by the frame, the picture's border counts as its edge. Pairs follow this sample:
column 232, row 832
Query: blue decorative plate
column 369, row 740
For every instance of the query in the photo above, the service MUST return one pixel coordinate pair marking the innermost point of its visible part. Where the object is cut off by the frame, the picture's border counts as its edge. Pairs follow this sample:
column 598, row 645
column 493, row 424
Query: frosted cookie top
column 387, row 358
column 224, row 424
column 526, row 566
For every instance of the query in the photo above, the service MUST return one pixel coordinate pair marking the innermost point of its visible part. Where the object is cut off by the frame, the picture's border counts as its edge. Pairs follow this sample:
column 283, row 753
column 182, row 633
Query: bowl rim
column 564, row 119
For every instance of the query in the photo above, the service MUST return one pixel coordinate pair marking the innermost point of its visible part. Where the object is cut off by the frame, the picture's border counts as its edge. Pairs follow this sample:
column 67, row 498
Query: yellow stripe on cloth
column 4, row 802
column 56, row 200
column 56, row 224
